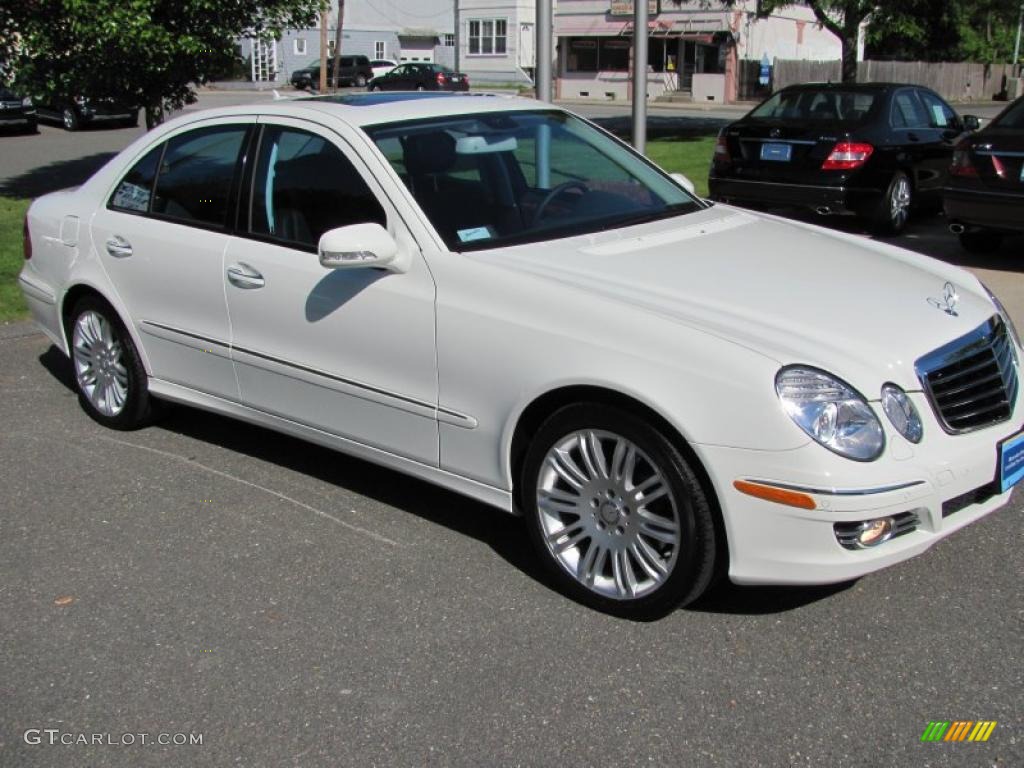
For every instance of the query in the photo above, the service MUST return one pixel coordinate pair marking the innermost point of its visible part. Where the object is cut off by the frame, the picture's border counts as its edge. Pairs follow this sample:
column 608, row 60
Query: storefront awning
column 700, row 28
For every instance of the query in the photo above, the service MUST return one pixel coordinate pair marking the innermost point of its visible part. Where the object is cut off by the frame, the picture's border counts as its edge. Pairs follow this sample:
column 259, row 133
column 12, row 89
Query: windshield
column 827, row 104
column 1012, row 117
column 511, row 177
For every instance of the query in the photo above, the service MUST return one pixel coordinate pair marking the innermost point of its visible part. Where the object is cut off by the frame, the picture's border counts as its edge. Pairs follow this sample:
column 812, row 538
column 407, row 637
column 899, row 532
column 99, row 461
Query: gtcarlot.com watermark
column 54, row 736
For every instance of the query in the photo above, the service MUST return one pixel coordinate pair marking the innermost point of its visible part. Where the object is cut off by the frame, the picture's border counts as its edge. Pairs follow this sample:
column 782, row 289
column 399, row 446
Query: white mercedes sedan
column 497, row 296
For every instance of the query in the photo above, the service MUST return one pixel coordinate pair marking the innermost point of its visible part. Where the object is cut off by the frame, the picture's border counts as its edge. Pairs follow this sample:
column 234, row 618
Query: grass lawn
column 688, row 156
column 12, row 214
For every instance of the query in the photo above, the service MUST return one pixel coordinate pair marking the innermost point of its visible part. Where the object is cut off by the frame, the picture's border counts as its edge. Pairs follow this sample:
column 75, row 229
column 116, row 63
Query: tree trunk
column 849, row 59
column 154, row 113
column 337, row 41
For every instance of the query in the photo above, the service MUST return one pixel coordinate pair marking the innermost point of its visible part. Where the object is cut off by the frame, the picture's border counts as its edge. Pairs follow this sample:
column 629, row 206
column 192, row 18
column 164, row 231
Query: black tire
column 137, row 409
column 360, row 81
column 421, row 87
column 69, row 119
column 981, row 242
column 690, row 562
column 373, row 88
column 892, row 212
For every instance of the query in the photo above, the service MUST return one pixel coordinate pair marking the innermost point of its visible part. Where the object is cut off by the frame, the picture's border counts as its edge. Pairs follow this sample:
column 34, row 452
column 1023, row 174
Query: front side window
column 504, row 178
column 195, row 176
column 135, row 190
column 940, row 114
column 304, row 186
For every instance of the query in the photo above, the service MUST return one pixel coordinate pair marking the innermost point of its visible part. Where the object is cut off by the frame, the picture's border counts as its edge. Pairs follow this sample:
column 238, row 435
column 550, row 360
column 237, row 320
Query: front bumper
column 946, row 480
column 985, row 209
column 838, row 199
column 19, row 118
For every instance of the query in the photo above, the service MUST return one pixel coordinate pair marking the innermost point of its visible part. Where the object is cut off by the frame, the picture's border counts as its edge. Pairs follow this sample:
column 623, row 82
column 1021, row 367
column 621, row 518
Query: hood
column 796, row 293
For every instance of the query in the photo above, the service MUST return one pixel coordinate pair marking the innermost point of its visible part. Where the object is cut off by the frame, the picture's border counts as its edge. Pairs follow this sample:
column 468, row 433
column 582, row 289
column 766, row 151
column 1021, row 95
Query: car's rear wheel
column 892, row 212
column 69, row 118
column 981, row 242
column 109, row 375
column 421, row 87
column 360, row 81
column 616, row 512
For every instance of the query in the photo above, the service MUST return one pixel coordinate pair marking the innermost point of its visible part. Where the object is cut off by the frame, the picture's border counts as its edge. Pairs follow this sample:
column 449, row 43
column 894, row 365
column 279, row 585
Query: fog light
column 874, row 532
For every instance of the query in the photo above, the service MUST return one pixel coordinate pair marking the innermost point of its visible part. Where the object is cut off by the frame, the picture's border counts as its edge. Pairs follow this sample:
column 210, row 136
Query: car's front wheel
column 616, row 512
column 109, row 375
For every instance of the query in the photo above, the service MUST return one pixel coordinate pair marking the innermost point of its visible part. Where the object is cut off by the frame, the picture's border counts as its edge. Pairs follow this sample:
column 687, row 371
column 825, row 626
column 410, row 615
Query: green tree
column 148, row 53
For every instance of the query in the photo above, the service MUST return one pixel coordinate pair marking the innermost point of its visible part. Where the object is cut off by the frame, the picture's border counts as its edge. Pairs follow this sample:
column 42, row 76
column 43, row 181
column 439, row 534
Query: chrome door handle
column 118, row 247
column 243, row 276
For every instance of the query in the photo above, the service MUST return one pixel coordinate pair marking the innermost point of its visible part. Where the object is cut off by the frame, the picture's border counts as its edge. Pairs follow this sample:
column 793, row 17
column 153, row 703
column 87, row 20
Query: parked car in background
column 382, row 66
column 17, row 113
column 352, row 70
column 493, row 295
column 79, row 111
column 420, row 77
column 984, row 197
column 876, row 150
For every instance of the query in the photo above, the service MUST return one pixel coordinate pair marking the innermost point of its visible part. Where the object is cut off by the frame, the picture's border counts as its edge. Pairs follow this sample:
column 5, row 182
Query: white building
column 497, row 40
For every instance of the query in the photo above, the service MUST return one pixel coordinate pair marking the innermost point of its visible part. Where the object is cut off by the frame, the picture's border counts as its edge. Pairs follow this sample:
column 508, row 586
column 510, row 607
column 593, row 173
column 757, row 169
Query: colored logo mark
column 958, row 730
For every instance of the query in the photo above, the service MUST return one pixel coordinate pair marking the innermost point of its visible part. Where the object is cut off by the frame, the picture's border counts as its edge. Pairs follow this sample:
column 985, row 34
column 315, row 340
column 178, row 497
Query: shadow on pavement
column 664, row 127
column 50, row 178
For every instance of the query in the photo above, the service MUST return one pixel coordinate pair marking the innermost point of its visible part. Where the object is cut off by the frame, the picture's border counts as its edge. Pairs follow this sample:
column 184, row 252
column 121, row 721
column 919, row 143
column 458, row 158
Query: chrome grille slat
column 972, row 382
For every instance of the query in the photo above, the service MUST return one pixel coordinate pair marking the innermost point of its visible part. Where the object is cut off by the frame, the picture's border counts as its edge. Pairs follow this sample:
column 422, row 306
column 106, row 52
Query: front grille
column 10, row 104
column 972, row 381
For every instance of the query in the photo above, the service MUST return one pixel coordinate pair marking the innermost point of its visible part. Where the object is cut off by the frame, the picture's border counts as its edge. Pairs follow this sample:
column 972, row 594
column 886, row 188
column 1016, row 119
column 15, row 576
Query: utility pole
column 337, row 42
column 1020, row 22
column 543, row 53
column 458, row 38
column 324, row 19
column 640, row 75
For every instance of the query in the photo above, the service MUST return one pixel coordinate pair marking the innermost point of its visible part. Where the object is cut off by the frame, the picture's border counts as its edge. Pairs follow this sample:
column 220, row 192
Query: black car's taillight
column 27, row 242
column 962, row 165
column 440, row 78
column 722, row 155
column 847, row 155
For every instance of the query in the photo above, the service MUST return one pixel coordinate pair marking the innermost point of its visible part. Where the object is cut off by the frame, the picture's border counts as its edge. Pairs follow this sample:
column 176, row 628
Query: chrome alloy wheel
column 608, row 514
column 899, row 202
column 99, row 363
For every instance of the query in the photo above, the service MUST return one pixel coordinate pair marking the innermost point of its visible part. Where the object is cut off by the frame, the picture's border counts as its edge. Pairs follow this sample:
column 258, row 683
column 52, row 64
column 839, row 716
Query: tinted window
column 845, row 106
column 136, row 188
column 940, row 114
column 1013, row 117
column 195, row 177
column 907, row 111
column 305, row 186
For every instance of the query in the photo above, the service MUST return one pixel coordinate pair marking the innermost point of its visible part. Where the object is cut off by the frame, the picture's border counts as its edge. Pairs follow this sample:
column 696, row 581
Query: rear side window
column 198, row 167
column 1013, row 117
column 304, row 186
column 136, row 188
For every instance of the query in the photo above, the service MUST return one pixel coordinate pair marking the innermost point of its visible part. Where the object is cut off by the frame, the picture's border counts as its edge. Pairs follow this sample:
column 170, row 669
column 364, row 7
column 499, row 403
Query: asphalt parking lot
column 296, row 607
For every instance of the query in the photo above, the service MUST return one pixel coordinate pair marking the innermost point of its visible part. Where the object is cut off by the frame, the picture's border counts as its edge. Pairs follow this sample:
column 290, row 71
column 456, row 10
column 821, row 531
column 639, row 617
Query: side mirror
column 971, row 122
column 357, row 246
column 684, row 182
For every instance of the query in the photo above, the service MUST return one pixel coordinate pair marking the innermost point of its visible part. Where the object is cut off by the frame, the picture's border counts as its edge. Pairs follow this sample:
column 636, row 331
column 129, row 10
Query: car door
column 161, row 239
column 917, row 141
column 395, row 80
column 348, row 351
column 947, row 129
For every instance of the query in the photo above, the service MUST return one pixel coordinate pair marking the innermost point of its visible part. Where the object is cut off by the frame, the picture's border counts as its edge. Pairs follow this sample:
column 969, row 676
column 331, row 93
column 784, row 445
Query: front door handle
column 118, row 247
column 913, row 136
column 242, row 275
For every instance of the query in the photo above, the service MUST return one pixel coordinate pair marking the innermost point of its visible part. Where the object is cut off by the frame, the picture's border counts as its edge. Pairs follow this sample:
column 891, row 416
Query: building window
column 379, row 50
column 487, row 37
column 449, row 40
column 330, row 46
column 299, row 46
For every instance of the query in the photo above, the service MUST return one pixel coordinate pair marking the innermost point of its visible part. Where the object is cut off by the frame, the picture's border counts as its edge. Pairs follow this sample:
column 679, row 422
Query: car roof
column 849, row 86
column 362, row 109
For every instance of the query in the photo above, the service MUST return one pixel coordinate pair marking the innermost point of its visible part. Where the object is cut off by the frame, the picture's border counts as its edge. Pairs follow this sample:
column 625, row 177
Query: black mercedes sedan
column 984, row 197
column 875, row 150
column 79, row 111
column 17, row 113
column 420, row 77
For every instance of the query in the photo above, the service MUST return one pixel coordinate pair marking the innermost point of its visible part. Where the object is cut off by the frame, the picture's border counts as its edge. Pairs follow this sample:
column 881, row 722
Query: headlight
column 901, row 412
column 1003, row 314
column 831, row 412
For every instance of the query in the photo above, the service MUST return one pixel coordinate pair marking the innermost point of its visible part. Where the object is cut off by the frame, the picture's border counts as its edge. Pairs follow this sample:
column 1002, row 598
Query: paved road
column 301, row 608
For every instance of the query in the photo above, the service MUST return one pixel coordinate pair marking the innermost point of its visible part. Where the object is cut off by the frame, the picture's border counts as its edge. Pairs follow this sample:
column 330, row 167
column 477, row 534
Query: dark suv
column 352, row 70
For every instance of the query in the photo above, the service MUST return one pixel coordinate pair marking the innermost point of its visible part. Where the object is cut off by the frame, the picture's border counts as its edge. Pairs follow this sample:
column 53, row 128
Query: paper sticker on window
column 939, row 115
column 475, row 233
column 131, row 197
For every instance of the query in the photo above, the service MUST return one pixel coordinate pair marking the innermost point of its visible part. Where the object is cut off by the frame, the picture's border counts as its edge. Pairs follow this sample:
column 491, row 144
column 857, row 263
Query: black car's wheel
column 69, row 118
column 981, row 242
column 374, row 88
column 360, row 81
column 892, row 212
column 616, row 513
column 421, row 87
column 109, row 375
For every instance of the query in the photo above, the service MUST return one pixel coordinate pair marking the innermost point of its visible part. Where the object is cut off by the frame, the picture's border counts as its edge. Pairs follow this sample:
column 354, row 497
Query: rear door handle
column 118, row 247
column 241, row 275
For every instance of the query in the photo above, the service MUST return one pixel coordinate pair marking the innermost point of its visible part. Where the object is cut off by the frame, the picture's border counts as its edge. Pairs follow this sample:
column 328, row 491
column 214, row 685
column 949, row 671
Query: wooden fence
column 954, row 81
